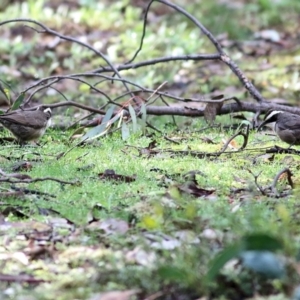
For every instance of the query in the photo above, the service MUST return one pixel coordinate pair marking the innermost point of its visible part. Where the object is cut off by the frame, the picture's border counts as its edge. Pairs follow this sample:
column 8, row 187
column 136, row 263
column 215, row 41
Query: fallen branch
column 11, row 180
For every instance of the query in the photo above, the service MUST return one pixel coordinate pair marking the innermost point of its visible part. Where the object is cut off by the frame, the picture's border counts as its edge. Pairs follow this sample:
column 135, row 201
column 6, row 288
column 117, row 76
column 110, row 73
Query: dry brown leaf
column 211, row 110
column 232, row 145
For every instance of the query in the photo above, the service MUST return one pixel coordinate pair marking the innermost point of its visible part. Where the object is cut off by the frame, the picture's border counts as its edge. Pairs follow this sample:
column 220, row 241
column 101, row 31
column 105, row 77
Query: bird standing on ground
column 287, row 126
column 27, row 125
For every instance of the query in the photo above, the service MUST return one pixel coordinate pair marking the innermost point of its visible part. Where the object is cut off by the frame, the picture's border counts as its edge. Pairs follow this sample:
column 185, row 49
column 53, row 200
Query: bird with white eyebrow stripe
column 286, row 125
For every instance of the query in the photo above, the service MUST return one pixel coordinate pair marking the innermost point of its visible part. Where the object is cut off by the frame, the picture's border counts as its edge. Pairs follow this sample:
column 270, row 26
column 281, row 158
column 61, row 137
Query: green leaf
column 133, row 118
column 5, row 92
column 221, row 259
column 261, row 241
column 125, row 131
column 256, row 241
column 103, row 127
column 108, row 114
column 18, row 102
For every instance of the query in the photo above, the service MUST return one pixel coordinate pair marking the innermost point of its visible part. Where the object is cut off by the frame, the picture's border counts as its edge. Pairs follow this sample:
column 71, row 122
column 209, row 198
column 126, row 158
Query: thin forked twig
column 256, row 183
column 289, row 178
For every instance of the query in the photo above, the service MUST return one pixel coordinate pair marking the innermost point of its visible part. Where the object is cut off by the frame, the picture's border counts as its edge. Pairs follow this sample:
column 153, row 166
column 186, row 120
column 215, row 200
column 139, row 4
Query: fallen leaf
column 232, row 145
column 112, row 175
column 211, row 110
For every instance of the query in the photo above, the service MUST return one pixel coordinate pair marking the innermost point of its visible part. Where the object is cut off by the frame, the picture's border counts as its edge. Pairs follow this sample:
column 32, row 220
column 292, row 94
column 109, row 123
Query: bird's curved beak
column 262, row 125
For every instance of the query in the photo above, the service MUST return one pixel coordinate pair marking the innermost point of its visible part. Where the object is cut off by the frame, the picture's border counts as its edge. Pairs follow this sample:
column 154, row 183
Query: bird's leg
column 291, row 145
column 21, row 143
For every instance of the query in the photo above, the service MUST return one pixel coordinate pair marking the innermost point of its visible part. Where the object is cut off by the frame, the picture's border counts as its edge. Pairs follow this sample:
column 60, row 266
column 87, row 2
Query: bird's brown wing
column 26, row 119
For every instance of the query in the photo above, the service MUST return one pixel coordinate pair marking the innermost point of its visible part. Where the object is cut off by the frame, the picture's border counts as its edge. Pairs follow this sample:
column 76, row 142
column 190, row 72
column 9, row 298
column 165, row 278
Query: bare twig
column 54, row 79
column 256, row 183
column 289, row 178
column 150, row 62
column 11, row 180
column 223, row 56
column 171, row 140
column 57, row 79
column 73, row 103
column 67, row 38
column 32, row 192
column 244, row 135
column 277, row 149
